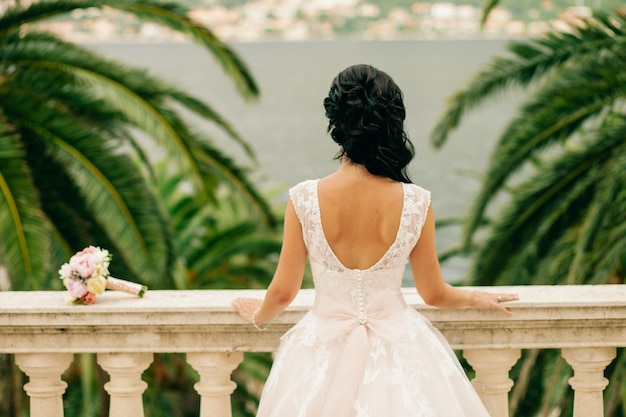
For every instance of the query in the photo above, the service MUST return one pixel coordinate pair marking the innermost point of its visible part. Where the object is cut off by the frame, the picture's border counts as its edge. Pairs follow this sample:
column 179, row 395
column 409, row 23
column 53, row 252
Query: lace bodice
column 355, row 286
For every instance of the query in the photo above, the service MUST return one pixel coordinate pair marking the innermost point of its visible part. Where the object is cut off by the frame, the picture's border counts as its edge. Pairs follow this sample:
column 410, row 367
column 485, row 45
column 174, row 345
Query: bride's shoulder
column 303, row 186
column 303, row 190
column 418, row 196
column 416, row 189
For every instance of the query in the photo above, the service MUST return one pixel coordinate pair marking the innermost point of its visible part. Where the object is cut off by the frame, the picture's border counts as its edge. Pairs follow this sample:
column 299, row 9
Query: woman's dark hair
column 366, row 118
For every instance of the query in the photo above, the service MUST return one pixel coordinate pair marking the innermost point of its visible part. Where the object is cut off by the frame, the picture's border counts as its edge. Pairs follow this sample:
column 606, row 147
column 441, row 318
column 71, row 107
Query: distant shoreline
column 309, row 41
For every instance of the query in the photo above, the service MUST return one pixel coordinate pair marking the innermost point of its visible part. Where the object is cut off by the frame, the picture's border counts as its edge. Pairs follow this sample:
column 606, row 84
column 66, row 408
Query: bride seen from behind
column 361, row 351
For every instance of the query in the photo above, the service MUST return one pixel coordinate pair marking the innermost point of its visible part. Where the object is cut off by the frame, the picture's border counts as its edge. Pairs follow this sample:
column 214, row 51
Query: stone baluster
column 492, row 380
column 215, row 386
column 125, row 386
column 45, row 387
column 588, row 381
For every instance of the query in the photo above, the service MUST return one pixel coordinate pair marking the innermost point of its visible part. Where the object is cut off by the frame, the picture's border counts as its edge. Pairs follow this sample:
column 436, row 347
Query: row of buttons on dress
column 361, row 307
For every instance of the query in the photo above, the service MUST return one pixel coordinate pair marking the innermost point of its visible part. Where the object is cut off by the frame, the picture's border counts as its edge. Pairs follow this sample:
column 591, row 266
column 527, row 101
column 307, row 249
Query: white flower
column 97, row 284
column 65, row 271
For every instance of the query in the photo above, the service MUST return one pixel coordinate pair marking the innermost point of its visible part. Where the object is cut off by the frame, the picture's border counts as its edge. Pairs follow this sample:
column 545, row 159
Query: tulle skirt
column 417, row 375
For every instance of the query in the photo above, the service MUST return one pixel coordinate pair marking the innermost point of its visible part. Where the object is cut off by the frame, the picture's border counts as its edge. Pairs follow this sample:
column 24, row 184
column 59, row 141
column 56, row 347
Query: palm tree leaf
column 47, row 95
column 560, row 174
column 86, row 128
column 142, row 106
column 119, row 86
column 522, row 380
column 121, row 204
column 614, row 393
column 532, row 60
column 24, row 236
column 232, row 247
column 135, row 95
column 145, row 115
column 217, row 169
column 218, row 246
column 207, row 112
column 556, row 386
column 106, row 180
column 539, row 209
column 605, row 208
column 215, row 164
column 52, row 86
column 487, row 8
column 15, row 17
column 580, row 94
column 172, row 15
column 216, row 243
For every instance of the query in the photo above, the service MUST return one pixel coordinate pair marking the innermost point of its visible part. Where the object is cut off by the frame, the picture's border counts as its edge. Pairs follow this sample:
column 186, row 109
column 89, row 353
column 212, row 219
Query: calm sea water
column 286, row 126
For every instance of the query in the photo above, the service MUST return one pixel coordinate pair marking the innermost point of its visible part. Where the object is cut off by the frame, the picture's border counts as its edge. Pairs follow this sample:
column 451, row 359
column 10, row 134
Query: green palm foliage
column 552, row 206
column 77, row 135
column 217, row 247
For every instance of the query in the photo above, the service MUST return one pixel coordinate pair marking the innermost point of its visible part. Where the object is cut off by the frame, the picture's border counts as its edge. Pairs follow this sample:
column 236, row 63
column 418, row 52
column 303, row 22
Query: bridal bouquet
column 87, row 274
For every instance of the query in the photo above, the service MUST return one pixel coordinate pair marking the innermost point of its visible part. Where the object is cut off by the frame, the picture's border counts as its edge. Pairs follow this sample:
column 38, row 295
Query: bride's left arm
column 431, row 285
column 287, row 279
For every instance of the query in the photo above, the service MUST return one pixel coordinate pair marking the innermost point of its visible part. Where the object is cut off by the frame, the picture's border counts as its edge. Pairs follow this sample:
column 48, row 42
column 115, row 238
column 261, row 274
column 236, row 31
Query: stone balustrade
column 587, row 323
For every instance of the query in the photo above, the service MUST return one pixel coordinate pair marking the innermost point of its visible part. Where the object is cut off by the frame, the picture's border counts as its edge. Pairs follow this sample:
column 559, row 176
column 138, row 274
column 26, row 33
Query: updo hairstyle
column 366, row 116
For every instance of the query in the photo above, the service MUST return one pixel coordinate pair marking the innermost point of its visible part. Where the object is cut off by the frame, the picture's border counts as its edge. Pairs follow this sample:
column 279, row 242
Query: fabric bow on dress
column 383, row 316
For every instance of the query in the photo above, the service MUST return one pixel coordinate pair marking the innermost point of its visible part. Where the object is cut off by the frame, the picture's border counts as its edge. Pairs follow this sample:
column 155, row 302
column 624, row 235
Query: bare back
column 360, row 216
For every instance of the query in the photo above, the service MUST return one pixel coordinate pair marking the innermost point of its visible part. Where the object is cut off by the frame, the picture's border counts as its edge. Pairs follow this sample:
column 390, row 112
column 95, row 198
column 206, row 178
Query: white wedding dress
column 360, row 351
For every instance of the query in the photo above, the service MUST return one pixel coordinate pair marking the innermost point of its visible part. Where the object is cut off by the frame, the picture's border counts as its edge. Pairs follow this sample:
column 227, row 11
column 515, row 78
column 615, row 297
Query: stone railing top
column 187, row 321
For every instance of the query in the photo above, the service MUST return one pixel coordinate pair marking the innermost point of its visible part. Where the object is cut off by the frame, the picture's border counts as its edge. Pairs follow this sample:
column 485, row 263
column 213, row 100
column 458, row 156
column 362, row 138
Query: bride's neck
column 357, row 170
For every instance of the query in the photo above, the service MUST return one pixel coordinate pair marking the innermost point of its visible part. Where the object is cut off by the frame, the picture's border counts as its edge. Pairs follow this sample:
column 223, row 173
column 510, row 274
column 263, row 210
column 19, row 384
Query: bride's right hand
column 246, row 307
column 487, row 300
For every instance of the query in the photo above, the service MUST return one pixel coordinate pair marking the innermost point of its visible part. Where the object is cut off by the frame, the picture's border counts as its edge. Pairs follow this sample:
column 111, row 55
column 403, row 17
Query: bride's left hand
column 246, row 306
column 482, row 299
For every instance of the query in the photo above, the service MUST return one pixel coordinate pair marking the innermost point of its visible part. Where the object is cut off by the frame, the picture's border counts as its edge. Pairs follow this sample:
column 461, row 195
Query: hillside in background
column 258, row 20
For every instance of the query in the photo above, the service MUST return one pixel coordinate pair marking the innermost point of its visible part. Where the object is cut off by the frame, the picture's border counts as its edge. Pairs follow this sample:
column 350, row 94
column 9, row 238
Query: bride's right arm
column 287, row 279
column 431, row 285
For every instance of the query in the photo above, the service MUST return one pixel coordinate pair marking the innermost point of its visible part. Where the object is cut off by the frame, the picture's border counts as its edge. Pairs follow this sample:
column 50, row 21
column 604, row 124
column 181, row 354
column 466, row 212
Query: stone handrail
column 587, row 323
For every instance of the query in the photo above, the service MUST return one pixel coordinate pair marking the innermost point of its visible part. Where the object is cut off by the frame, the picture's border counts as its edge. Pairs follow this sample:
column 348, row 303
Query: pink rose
column 75, row 287
column 85, row 261
column 90, row 298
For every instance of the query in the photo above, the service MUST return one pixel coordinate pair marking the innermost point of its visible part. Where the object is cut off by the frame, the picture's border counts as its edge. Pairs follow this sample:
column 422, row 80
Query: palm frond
column 77, row 136
column 611, row 262
column 140, row 99
column 172, row 15
column 14, row 18
column 220, row 246
column 250, row 377
column 604, row 213
column 557, row 393
column 551, row 199
column 578, row 96
column 130, row 92
column 487, row 8
column 614, row 393
column 116, row 194
column 202, row 109
column 602, row 35
column 24, row 236
column 527, row 363
column 450, row 253
column 560, row 166
column 215, row 165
